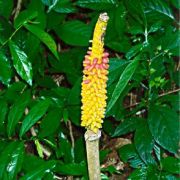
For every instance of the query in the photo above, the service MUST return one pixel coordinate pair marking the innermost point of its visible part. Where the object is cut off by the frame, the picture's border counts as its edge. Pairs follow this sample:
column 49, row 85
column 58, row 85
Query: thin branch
column 163, row 94
column 18, row 8
column 169, row 92
column 71, row 133
column 5, row 42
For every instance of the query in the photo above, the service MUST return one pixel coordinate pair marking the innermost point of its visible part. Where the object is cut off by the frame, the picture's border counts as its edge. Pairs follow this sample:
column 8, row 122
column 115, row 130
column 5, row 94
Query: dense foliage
column 42, row 45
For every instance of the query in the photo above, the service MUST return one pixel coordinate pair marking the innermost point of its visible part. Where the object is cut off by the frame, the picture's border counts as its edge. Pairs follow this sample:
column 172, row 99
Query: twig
column 18, row 8
column 170, row 92
column 71, row 133
column 6, row 41
column 163, row 94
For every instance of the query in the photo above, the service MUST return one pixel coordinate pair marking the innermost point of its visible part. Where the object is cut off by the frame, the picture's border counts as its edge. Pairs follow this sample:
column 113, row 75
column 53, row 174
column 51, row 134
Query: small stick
column 92, row 148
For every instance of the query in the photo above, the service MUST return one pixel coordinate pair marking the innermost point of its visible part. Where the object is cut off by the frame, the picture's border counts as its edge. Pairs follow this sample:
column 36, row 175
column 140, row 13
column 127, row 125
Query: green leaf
column 120, row 19
column 128, row 154
column 34, row 115
column 21, row 62
column 116, row 66
column 126, row 126
column 171, row 165
column 50, row 123
column 144, row 142
column 138, row 174
column 44, row 37
column 74, row 33
column 6, row 72
column 39, row 148
column 123, row 81
column 133, row 51
column 176, row 3
column 163, row 124
column 97, row 4
column 14, row 90
column 74, row 102
column 11, row 160
column 15, row 163
column 159, row 6
column 16, row 112
column 148, row 172
column 79, row 150
column 6, row 8
column 72, row 169
column 40, row 171
column 63, row 6
column 65, row 149
column 3, row 111
column 5, row 30
column 24, row 17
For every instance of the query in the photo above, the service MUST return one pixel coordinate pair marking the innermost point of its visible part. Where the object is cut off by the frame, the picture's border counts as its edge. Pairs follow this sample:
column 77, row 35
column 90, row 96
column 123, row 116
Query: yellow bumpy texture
column 95, row 79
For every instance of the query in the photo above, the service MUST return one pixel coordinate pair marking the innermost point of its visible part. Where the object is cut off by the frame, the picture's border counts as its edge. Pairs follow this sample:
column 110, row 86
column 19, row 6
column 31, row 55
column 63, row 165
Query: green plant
column 42, row 45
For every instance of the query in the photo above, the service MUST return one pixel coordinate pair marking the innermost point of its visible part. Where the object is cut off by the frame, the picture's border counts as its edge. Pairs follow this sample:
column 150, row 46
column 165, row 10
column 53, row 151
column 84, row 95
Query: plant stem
column 92, row 148
column 5, row 42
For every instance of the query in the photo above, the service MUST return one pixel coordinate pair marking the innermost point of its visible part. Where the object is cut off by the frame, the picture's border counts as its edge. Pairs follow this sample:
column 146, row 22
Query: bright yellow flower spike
column 95, row 78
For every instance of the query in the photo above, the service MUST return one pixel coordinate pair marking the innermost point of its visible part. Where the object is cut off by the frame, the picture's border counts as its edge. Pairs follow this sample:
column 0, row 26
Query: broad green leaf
column 3, row 111
column 170, row 42
column 123, row 81
column 5, row 157
column 70, row 63
column 21, row 62
column 37, row 111
column 136, row 10
column 120, row 19
column 50, row 123
column 79, row 150
column 72, row 169
column 44, row 37
column 138, row 174
column 63, row 6
column 163, row 123
column 38, row 6
column 65, row 151
column 128, row 154
column 17, row 111
column 5, row 30
column 116, row 66
column 15, row 163
column 74, row 102
column 5, row 72
column 6, row 8
column 14, row 90
column 176, row 3
column 74, row 33
column 74, row 95
column 144, row 142
column 40, row 171
column 24, row 17
column 133, row 51
column 171, row 165
column 126, row 126
column 11, row 160
column 97, row 4
column 119, row 45
column 148, row 172
column 159, row 6
column 74, row 112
